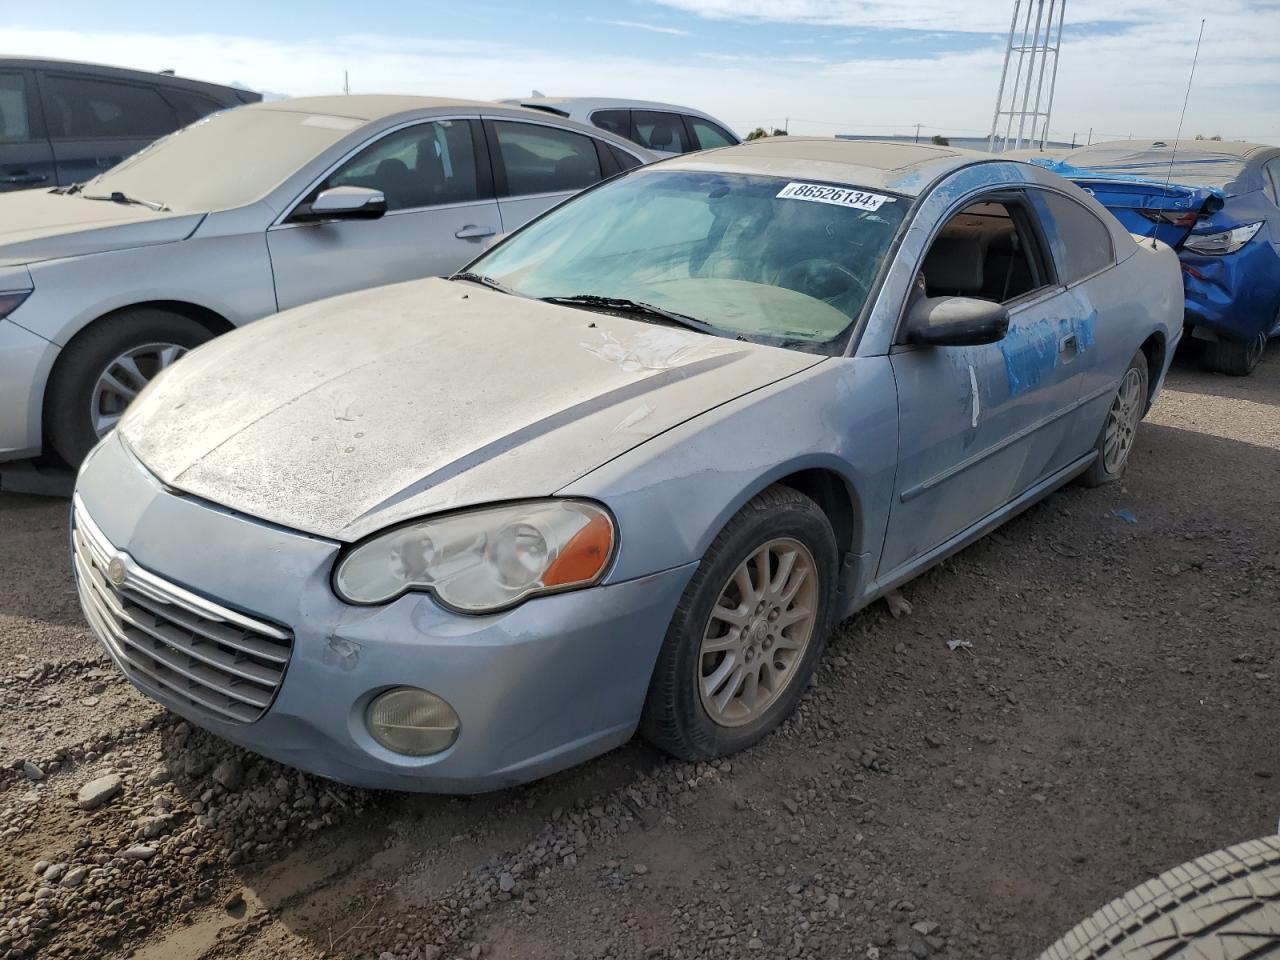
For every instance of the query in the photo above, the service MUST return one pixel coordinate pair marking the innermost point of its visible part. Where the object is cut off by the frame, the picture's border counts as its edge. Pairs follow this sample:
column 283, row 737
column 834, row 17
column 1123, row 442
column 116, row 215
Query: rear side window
column 78, row 108
column 191, row 106
column 658, row 131
column 14, row 125
column 625, row 160
column 708, row 135
column 1271, row 180
column 615, row 121
column 425, row 165
column 540, row 159
column 1081, row 242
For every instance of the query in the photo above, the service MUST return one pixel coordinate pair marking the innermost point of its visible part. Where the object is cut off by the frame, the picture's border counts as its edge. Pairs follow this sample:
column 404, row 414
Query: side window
column 615, row 121
column 1271, row 180
column 425, row 165
column 658, row 131
column 191, row 106
column 540, row 159
column 78, row 108
column 1081, row 242
column 987, row 250
column 708, row 135
column 624, row 160
column 13, row 108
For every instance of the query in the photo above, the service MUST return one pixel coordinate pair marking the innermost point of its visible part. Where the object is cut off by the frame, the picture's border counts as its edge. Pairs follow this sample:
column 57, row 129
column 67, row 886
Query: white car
column 246, row 213
column 664, row 128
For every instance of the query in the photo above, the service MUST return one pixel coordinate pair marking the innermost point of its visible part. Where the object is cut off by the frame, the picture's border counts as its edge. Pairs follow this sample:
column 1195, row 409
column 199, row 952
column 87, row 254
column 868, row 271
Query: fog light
column 412, row 721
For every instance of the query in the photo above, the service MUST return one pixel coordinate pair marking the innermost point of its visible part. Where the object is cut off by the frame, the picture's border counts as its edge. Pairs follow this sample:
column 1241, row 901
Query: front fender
column 672, row 495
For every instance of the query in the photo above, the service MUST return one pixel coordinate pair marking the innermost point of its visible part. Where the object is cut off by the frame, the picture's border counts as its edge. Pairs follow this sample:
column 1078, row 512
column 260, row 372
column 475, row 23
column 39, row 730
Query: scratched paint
column 1032, row 351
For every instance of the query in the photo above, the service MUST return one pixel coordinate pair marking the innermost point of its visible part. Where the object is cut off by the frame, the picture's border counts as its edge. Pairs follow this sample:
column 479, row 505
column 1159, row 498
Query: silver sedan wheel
column 758, row 633
column 1122, row 422
column 124, row 378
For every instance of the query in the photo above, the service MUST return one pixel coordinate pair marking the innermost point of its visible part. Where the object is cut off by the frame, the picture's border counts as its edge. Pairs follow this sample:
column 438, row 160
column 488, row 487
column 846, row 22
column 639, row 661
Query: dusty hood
column 346, row 415
column 40, row 225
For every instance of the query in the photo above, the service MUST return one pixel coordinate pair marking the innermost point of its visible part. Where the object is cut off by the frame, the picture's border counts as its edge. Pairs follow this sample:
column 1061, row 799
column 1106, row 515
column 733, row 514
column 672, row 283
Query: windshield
column 225, row 160
column 764, row 258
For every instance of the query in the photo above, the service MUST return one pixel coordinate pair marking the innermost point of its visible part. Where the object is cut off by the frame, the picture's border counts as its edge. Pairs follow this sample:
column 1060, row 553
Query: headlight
column 1228, row 241
column 482, row 560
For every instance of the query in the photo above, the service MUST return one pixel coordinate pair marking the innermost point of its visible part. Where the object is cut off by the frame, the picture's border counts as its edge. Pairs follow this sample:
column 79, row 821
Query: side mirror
column 956, row 322
column 343, row 203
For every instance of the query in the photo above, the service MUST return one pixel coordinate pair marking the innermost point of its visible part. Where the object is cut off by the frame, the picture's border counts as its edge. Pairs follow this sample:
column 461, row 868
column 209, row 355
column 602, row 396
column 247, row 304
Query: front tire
column 105, row 367
column 1115, row 442
column 748, row 631
column 1233, row 357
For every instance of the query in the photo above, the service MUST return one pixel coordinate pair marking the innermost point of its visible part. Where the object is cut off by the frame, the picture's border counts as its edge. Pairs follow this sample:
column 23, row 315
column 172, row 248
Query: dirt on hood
column 343, row 416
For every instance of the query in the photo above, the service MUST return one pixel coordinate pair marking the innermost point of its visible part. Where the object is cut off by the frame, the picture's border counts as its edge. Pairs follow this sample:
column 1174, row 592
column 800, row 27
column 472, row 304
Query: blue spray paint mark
column 1032, row 350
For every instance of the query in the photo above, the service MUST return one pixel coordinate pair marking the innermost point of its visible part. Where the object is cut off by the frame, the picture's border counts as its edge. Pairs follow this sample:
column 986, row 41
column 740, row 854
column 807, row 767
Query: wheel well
column 829, row 491
column 214, row 322
column 1153, row 348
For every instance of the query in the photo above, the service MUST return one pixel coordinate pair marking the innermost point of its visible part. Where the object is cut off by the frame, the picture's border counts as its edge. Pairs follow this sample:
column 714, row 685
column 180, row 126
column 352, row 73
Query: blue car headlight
column 484, row 560
column 1223, row 242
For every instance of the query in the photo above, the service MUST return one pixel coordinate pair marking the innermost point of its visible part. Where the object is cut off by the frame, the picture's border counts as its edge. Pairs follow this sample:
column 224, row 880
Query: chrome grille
column 217, row 660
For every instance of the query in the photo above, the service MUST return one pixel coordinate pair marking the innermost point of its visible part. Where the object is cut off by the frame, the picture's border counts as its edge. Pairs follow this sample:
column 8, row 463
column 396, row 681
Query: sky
column 815, row 66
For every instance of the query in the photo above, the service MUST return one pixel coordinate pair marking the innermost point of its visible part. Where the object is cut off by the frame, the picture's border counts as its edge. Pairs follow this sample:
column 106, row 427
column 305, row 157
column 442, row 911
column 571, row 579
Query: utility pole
column 918, row 133
column 1035, row 38
column 346, row 83
column 1090, row 143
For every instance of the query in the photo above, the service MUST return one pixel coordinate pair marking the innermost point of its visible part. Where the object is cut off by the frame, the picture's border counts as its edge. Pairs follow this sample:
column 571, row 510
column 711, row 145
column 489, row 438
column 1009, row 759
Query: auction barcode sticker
column 840, row 196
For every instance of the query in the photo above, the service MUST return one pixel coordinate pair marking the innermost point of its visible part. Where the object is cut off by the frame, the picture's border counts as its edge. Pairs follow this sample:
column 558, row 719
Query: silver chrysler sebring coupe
column 626, row 470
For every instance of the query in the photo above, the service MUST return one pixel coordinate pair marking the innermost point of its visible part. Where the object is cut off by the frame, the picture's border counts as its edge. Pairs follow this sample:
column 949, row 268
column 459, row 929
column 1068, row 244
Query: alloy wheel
column 1122, row 422
column 124, row 378
column 758, row 632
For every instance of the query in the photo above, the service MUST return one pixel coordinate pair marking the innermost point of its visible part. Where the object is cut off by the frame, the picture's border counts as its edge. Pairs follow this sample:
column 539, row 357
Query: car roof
column 1221, row 148
column 372, row 106
column 906, row 168
column 12, row 61
column 605, row 103
column 1225, row 165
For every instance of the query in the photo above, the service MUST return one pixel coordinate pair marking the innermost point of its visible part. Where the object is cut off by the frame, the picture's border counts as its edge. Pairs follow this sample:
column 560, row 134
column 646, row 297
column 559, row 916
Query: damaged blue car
column 623, row 473
column 1217, row 203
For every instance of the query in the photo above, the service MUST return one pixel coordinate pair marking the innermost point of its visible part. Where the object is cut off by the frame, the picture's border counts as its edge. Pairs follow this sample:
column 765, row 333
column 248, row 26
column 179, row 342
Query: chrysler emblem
column 116, row 572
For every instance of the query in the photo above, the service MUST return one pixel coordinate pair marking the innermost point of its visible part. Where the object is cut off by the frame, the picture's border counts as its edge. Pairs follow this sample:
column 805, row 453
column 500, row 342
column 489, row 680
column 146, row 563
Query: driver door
column 981, row 425
column 440, row 209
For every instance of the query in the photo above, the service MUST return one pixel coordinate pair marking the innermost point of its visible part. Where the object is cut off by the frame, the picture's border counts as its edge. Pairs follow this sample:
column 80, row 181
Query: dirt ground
column 1115, row 712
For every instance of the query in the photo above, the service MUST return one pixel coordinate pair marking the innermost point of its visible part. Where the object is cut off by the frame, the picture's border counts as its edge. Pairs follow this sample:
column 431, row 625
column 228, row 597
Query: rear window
column 1192, row 166
column 539, row 159
column 615, row 121
column 13, row 108
column 79, row 108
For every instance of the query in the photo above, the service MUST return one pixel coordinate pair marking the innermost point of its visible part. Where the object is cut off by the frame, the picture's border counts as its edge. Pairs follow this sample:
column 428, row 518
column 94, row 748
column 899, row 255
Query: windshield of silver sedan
column 772, row 259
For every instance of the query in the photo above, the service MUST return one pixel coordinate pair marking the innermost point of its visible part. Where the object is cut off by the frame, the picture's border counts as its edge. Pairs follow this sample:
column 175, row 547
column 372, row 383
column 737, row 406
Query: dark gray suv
column 63, row 122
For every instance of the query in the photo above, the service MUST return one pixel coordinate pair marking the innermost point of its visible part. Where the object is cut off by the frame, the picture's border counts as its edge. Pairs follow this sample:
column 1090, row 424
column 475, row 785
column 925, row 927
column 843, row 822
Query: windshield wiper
column 118, row 197
column 484, row 281
column 624, row 305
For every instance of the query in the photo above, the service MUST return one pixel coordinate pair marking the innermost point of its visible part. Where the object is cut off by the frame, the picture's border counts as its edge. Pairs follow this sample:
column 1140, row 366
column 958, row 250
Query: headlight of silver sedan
column 481, row 561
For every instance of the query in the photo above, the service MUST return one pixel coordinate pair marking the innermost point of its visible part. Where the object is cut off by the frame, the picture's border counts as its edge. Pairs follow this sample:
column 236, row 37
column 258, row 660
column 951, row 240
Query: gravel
column 97, row 792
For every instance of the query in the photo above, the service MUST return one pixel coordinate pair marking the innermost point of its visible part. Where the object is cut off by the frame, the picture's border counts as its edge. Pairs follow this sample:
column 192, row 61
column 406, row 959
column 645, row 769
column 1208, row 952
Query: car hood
column 347, row 415
column 41, row 225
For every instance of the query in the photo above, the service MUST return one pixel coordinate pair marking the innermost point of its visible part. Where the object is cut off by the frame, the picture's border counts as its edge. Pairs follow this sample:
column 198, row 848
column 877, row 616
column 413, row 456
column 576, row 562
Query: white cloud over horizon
column 1117, row 81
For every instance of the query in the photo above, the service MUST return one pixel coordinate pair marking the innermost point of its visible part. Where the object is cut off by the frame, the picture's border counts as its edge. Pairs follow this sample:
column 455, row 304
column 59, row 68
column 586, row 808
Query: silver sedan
column 248, row 212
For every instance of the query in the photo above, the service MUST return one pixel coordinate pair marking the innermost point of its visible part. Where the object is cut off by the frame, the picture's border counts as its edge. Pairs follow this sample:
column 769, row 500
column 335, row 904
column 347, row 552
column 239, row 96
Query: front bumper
column 537, row 689
column 25, row 361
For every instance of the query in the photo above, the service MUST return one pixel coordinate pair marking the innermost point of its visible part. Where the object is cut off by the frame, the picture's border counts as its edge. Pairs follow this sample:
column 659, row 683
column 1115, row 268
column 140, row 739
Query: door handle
column 23, row 177
column 1069, row 342
column 473, row 232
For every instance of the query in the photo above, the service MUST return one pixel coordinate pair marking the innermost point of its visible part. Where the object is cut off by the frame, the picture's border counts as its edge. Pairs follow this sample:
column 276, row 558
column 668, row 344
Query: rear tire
column 1120, row 426
column 769, row 625
column 78, row 406
column 1233, row 357
column 1222, row 906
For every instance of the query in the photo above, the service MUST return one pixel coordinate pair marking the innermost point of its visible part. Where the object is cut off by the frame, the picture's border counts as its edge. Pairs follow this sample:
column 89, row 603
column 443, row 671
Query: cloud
column 637, row 25
column 1128, row 80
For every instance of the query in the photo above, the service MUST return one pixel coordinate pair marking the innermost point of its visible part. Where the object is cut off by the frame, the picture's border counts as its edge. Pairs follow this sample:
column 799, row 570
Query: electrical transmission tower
column 1025, row 124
